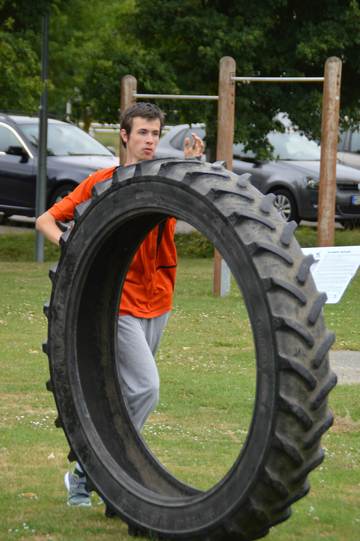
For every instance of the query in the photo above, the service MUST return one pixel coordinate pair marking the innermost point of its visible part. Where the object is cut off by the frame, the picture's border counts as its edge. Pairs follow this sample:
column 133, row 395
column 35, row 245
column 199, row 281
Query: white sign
column 334, row 268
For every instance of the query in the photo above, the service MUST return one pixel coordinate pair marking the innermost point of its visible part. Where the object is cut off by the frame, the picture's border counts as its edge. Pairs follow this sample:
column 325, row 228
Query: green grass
column 207, row 372
column 20, row 247
column 343, row 317
column 307, row 236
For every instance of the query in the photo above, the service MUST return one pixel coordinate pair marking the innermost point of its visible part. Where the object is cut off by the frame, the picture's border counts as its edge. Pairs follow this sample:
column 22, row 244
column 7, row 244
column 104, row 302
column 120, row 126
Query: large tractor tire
column 285, row 310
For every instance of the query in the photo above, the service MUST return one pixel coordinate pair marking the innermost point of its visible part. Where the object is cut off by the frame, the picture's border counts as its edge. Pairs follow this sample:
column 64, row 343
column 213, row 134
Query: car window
column 342, row 140
column 178, row 140
column 355, row 142
column 240, row 152
column 293, row 146
column 8, row 140
column 66, row 140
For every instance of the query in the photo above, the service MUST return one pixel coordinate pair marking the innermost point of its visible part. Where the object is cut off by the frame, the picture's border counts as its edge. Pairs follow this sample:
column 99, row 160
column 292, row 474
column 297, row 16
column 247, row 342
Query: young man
column 146, row 299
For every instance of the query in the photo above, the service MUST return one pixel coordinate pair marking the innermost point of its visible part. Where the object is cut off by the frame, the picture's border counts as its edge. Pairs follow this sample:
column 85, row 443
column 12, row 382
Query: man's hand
column 193, row 148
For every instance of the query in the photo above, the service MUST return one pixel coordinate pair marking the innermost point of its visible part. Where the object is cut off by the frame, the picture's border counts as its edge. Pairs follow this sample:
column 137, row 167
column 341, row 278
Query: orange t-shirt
column 150, row 281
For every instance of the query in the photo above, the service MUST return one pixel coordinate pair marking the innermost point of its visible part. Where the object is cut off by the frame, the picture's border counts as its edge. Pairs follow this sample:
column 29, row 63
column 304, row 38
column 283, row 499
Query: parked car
column 349, row 148
column 72, row 155
column 293, row 176
column 172, row 140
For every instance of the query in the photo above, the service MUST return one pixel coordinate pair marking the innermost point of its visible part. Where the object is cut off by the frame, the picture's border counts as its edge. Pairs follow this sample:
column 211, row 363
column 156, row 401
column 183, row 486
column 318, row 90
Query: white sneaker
column 78, row 494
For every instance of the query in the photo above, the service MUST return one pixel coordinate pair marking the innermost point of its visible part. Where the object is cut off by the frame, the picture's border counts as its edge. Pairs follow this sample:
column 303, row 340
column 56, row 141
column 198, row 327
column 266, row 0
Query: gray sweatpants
column 137, row 342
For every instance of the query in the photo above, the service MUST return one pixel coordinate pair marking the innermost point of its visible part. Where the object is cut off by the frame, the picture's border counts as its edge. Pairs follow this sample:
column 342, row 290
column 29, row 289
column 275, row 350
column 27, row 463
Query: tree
column 78, row 33
column 20, row 43
column 76, row 41
column 113, row 52
column 280, row 37
column 175, row 46
column 20, row 84
column 91, row 49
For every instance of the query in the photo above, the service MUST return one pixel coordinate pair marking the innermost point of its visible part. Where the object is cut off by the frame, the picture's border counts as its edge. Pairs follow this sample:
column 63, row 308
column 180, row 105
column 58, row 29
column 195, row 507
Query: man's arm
column 64, row 210
column 46, row 224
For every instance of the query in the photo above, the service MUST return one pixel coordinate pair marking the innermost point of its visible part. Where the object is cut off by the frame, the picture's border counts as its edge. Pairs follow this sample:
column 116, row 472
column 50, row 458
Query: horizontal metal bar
column 175, row 96
column 279, row 79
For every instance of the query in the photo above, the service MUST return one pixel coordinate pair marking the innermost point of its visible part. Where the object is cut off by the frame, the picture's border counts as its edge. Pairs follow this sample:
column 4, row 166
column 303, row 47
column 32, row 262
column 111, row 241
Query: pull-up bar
column 225, row 136
column 279, row 79
column 329, row 134
column 174, row 97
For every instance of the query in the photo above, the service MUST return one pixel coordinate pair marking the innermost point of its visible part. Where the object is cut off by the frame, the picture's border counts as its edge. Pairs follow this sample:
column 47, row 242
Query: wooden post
column 128, row 89
column 329, row 140
column 225, row 138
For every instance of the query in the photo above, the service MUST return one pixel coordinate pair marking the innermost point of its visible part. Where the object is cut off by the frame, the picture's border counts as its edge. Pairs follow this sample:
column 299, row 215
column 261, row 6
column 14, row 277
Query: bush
column 193, row 245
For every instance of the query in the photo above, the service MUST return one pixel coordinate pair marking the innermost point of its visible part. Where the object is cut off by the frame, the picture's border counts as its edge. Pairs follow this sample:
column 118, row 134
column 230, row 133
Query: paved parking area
column 346, row 365
column 16, row 224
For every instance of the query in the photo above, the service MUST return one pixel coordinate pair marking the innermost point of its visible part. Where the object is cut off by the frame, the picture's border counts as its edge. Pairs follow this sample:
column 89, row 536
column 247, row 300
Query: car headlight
column 312, row 183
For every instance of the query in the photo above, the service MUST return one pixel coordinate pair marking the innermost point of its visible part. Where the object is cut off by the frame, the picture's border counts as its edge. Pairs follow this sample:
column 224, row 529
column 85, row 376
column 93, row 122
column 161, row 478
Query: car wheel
column 285, row 203
column 350, row 224
column 293, row 375
column 60, row 192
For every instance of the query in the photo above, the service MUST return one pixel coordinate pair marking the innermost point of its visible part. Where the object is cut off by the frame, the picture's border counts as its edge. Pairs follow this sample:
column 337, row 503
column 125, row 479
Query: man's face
column 142, row 141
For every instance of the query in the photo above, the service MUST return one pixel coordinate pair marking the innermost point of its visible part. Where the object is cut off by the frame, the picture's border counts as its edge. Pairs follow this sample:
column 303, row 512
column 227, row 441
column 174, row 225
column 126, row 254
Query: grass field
column 201, row 421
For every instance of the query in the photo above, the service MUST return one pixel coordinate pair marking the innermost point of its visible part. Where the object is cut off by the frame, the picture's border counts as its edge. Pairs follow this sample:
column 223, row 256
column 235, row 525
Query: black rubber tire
column 286, row 204
column 292, row 343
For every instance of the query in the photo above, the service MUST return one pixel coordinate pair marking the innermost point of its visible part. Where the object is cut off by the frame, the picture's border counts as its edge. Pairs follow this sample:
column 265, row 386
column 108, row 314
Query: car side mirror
column 18, row 151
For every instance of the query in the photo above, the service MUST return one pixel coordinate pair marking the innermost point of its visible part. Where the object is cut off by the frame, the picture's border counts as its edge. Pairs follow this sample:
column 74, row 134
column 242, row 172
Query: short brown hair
column 143, row 110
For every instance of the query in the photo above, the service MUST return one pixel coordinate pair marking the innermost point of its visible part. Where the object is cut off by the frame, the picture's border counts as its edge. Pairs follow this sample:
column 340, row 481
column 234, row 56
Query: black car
column 72, row 155
column 293, row 175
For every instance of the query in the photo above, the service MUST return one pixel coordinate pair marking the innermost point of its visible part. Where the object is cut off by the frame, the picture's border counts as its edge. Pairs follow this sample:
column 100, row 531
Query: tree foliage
column 84, row 42
column 20, row 57
column 275, row 38
column 19, row 81
column 174, row 46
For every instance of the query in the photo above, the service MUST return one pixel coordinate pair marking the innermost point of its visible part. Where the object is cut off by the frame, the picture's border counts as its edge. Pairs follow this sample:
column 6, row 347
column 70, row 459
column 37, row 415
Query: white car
column 349, row 148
